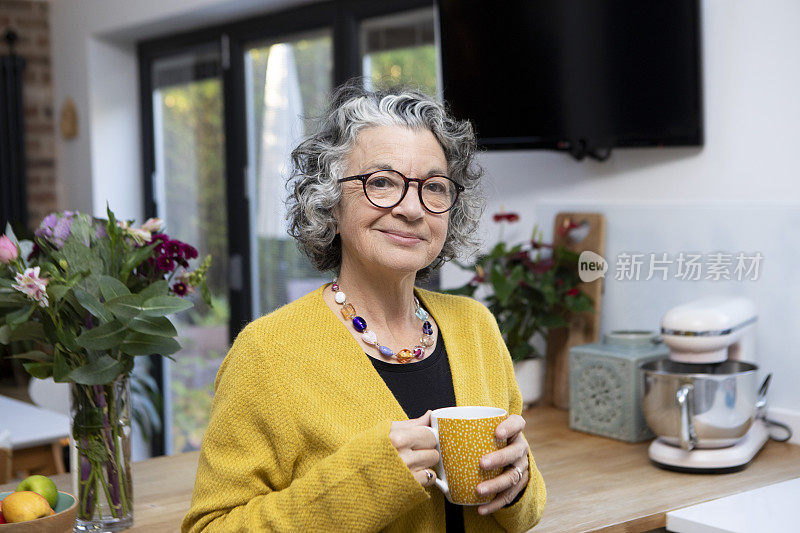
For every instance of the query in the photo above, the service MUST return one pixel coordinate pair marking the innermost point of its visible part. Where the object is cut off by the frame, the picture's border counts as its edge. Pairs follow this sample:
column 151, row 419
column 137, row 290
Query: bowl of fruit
column 37, row 505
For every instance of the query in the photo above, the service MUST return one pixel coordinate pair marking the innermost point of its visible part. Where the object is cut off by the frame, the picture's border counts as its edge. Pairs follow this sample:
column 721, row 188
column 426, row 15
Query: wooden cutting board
column 584, row 328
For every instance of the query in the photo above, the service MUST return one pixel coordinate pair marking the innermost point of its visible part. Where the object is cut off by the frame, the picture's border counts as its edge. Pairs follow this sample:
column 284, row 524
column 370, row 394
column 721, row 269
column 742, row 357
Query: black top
column 420, row 386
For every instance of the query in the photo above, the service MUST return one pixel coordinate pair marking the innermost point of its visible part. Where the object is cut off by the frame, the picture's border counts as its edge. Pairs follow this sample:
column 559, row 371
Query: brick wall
column 30, row 20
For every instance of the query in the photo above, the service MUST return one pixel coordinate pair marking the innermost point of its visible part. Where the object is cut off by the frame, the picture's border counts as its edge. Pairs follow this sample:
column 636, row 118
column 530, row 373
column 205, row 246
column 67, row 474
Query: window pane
column 287, row 83
column 190, row 194
column 401, row 49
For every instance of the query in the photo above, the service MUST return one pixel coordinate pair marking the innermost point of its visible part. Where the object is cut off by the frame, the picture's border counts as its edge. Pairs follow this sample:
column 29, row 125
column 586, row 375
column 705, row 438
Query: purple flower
column 56, row 229
column 165, row 263
column 45, row 229
column 179, row 288
column 173, row 248
column 61, row 231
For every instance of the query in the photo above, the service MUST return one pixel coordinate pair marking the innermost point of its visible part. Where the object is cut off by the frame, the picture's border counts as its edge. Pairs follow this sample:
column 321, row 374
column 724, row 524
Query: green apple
column 41, row 485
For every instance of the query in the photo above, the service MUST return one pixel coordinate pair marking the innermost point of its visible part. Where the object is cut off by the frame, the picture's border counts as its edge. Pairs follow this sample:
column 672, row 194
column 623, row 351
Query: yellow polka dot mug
column 463, row 436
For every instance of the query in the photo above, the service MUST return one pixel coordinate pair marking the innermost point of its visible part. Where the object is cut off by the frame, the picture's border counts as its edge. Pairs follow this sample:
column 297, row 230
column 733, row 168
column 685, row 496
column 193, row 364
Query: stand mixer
column 703, row 402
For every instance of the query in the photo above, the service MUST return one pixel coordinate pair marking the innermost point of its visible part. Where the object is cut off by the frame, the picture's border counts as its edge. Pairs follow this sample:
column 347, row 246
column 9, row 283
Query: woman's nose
column 410, row 207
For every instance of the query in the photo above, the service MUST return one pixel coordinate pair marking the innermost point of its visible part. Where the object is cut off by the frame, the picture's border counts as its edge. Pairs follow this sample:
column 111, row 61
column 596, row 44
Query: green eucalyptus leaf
column 67, row 338
column 142, row 344
column 91, row 303
column 158, row 288
column 102, row 370
column 39, row 370
column 104, row 337
column 20, row 315
column 135, row 259
column 12, row 298
column 60, row 367
column 28, row 331
column 5, row 334
column 57, row 292
column 125, row 307
column 164, row 305
column 112, row 287
column 34, row 355
column 153, row 325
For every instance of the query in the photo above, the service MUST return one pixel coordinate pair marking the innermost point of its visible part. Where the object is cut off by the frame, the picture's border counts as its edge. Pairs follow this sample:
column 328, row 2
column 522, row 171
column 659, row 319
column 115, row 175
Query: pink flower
column 34, row 287
column 153, row 225
column 8, row 250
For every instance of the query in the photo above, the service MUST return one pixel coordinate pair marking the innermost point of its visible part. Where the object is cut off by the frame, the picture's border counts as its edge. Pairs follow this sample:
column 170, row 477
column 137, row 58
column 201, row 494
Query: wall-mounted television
column 583, row 76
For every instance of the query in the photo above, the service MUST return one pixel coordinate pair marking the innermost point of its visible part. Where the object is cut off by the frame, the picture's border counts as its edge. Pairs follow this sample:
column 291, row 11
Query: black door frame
column 343, row 17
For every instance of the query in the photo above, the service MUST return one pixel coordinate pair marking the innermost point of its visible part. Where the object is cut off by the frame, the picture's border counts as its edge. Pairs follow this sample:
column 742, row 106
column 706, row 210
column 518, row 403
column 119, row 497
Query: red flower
column 573, row 291
column 540, row 267
column 189, row 251
column 180, row 288
column 173, row 248
column 508, row 217
column 563, row 230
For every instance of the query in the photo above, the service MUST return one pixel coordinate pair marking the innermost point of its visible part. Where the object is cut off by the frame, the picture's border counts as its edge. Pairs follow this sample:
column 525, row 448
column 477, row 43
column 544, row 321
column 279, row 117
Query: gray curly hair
column 319, row 161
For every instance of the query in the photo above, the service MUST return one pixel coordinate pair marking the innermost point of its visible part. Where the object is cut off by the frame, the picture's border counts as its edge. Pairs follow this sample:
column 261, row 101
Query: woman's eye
column 379, row 183
column 436, row 187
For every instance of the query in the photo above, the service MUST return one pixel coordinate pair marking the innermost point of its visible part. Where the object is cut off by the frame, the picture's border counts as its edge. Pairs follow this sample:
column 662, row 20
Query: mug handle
column 441, row 479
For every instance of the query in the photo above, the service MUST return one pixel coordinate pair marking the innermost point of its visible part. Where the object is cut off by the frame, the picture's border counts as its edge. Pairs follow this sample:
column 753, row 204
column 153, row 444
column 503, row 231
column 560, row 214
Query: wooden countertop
column 593, row 483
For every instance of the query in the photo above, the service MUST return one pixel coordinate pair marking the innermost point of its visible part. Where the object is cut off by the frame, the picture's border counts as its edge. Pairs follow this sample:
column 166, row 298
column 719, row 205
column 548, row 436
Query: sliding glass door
column 189, row 192
column 286, row 82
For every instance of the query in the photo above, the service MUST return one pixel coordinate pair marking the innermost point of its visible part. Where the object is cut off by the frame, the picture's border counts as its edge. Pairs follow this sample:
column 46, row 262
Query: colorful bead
column 421, row 313
column 359, row 323
column 369, row 337
column 418, row 351
column 348, row 311
column 334, row 286
column 427, row 329
column 404, row 356
column 385, row 350
column 340, row 297
column 426, row 340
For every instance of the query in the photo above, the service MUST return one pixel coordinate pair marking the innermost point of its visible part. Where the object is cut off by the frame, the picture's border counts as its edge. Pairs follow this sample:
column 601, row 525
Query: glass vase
column 101, row 455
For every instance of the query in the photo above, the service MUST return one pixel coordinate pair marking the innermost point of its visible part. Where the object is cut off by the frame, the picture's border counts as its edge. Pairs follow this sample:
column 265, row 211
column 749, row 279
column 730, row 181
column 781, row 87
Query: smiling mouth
column 402, row 235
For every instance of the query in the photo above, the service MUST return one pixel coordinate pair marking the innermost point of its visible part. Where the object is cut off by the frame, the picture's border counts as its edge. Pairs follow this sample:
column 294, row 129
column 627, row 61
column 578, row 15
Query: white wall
column 751, row 61
column 740, row 192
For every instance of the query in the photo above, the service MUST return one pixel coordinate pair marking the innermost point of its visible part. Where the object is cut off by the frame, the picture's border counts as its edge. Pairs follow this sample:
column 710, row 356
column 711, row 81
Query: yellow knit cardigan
column 298, row 439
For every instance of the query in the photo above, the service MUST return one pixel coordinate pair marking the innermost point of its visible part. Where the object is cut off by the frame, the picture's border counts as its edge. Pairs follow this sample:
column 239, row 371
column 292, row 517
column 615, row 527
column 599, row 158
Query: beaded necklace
column 368, row 336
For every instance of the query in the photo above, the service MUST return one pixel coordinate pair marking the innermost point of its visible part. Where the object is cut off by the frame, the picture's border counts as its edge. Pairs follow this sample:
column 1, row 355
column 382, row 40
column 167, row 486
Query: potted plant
column 530, row 288
column 78, row 304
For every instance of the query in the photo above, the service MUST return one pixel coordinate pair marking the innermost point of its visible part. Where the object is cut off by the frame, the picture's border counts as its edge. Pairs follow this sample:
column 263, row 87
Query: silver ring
column 518, row 472
column 429, row 474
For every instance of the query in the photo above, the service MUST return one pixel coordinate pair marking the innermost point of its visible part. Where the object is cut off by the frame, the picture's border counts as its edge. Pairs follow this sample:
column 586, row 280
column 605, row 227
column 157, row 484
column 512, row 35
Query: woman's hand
column 416, row 446
column 508, row 484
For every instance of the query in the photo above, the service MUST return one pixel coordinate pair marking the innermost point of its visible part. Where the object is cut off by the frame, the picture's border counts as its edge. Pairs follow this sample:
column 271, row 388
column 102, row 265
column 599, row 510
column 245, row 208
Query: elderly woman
column 319, row 406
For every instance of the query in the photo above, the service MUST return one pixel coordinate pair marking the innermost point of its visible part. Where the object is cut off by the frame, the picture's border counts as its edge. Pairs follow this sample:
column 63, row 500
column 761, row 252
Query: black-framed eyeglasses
column 387, row 188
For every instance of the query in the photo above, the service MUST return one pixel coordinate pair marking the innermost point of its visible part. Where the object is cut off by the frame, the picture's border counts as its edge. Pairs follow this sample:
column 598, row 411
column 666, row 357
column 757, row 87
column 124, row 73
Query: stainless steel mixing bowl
column 700, row 405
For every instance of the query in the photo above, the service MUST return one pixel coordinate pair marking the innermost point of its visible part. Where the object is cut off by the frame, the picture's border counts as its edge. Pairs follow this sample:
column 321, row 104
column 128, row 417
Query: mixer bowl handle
column 685, row 399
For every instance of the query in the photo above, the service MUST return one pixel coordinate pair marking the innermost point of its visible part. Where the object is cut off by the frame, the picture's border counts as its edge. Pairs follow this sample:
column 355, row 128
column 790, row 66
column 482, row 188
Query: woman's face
column 407, row 237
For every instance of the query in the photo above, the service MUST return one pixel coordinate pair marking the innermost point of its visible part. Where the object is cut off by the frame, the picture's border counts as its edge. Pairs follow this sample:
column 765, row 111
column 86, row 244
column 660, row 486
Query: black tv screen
column 576, row 75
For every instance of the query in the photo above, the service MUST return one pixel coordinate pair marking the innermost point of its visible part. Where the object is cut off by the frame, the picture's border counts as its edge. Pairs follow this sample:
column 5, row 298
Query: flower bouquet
column 78, row 304
column 530, row 288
